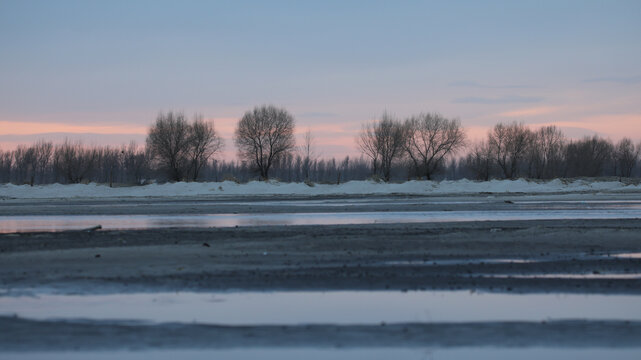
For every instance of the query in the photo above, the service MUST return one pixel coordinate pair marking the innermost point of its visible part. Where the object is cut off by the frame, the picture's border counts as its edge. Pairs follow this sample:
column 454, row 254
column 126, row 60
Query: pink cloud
column 528, row 112
column 28, row 128
column 616, row 126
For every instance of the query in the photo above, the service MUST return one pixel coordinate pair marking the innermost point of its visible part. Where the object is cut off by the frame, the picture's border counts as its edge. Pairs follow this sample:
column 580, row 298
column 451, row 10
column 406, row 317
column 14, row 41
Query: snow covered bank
column 459, row 187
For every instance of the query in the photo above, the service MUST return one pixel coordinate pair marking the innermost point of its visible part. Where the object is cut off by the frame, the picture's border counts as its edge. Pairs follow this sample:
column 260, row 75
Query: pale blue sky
column 333, row 64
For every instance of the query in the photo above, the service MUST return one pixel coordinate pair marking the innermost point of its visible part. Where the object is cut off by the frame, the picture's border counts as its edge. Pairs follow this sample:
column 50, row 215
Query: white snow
column 181, row 189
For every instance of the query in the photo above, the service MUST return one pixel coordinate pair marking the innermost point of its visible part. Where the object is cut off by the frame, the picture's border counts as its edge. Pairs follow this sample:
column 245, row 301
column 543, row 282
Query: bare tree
column 587, row 157
column 31, row 162
column 136, row 163
column 204, row 144
column 6, row 163
column 342, row 169
column 626, row 157
column 382, row 141
column 546, row 152
column 390, row 137
column 43, row 150
column 368, row 144
column 23, row 158
column 110, row 160
column 73, row 161
column 307, row 153
column 264, row 135
column 480, row 160
column 169, row 142
column 430, row 139
column 509, row 144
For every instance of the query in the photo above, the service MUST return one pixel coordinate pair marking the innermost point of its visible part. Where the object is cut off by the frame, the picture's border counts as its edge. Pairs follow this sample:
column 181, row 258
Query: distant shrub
column 376, row 178
column 230, row 177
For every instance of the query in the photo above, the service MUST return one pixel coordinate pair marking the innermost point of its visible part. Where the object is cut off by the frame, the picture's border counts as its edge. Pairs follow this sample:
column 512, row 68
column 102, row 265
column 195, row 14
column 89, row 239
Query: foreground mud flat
column 20, row 335
column 485, row 256
column 524, row 257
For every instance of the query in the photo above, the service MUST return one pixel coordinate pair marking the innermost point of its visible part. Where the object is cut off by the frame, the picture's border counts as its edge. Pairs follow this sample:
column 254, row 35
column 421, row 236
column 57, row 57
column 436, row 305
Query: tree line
column 513, row 150
column 424, row 146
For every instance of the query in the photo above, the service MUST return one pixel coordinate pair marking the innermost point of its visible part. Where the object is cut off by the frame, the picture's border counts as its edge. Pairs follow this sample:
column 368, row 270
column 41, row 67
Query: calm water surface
column 310, row 307
column 10, row 224
column 477, row 353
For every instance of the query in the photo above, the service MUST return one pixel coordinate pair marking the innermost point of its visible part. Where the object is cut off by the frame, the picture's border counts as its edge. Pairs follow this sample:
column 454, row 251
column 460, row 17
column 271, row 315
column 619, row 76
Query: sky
column 101, row 71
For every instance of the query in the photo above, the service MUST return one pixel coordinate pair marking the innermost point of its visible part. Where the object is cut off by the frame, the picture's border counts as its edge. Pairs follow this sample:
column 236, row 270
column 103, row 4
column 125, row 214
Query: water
column 380, row 201
column 332, row 307
column 628, row 276
column 585, row 204
column 445, row 262
column 10, row 224
column 478, row 353
column 628, row 256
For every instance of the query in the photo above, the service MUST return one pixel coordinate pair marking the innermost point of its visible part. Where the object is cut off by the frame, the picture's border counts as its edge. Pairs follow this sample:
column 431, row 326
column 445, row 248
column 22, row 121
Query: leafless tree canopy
column 588, row 157
column 43, row 152
column 205, row 142
column 422, row 146
column 6, row 165
column 182, row 148
column 23, row 158
column 480, row 161
column 263, row 136
column 382, row 141
column 368, row 144
column 168, row 140
column 390, row 137
column 509, row 144
column 430, row 139
column 626, row 156
column 545, row 154
column 74, row 161
column 307, row 152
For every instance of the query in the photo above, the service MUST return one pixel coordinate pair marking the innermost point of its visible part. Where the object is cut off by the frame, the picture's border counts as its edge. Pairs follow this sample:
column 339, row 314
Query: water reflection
column 477, row 353
column 628, row 256
column 625, row 276
column 336, row 307
column 442, row 262
column 71, row 222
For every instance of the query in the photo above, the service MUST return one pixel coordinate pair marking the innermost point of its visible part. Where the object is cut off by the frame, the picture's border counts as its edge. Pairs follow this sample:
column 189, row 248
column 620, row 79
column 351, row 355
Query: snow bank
column 459, row 187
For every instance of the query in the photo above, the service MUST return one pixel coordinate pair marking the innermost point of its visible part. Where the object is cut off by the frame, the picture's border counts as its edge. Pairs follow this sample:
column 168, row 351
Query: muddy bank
column 369, row 257
column 287, row 204
column 21, row 334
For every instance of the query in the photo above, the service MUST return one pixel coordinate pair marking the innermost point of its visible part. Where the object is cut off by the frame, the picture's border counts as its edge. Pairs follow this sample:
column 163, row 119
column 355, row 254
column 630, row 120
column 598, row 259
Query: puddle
column 350, row 202
column 478, row 353
column 295, row 203
column 628, row 256
column 335, row 307
column 634, row 276
column 112, row 222
column 583, row 204
column 476, row 261
column 441, row 262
